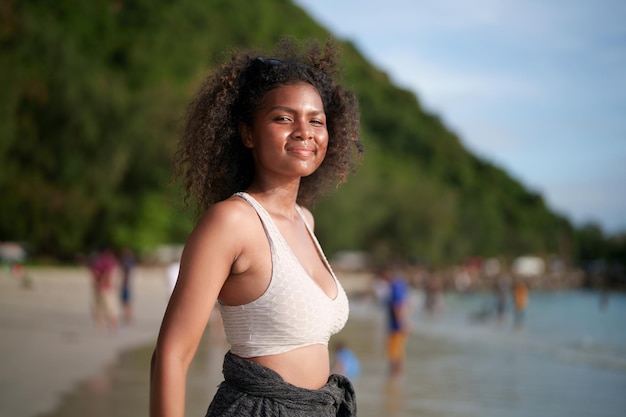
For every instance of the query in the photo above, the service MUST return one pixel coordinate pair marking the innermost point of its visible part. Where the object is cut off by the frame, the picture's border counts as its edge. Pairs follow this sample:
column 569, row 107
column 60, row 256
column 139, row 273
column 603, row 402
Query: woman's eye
column 317, row 122
column 283, row 119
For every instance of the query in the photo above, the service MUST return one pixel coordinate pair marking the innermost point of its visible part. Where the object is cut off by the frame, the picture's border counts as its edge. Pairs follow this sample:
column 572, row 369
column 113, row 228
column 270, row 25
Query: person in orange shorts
column 520, row 297
column 397, row 312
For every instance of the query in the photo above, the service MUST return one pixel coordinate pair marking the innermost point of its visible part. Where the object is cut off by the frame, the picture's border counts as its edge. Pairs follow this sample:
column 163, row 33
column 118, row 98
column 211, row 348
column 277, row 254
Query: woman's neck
column 279, row 201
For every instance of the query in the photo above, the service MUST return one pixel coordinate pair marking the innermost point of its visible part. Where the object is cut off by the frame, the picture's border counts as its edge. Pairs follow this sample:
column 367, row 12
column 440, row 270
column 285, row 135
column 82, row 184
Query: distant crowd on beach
column 510, row 290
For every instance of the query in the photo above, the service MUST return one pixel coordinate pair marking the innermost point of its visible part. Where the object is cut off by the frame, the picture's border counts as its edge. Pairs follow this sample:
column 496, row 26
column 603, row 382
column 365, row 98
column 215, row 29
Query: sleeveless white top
column 293, row 311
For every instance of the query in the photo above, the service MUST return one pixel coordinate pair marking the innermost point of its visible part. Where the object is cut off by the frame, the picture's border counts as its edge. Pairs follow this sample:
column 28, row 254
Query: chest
column 274, row 247
column 307, row 254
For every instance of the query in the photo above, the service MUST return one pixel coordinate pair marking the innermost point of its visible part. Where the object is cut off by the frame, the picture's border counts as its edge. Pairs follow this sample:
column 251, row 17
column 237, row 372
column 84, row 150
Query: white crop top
column 293, row 311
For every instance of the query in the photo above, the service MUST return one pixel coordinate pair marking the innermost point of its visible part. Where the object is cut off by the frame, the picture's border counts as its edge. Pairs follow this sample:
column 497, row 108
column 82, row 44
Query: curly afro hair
column 211, row 158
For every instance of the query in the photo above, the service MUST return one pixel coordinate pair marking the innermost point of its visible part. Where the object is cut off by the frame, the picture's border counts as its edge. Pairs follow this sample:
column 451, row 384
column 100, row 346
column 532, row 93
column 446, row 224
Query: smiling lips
column 301, row 150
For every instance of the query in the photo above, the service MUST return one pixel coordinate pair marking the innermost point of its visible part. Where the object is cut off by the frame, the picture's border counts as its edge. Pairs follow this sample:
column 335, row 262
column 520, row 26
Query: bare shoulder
column 233, row 213
column 224, row 222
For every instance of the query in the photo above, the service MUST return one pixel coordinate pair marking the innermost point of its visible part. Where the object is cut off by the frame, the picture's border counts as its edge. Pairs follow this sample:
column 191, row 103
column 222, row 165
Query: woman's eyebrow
column 291, row 110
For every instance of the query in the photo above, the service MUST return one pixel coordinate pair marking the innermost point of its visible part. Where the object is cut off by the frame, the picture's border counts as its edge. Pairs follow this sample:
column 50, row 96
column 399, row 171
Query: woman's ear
column 246, row 135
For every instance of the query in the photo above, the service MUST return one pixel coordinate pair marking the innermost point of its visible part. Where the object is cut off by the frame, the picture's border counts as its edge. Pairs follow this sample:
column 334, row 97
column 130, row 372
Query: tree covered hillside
column 92, row 95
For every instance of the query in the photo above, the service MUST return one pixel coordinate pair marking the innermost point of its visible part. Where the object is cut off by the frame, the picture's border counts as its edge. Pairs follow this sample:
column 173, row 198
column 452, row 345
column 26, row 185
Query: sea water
column 568, row 358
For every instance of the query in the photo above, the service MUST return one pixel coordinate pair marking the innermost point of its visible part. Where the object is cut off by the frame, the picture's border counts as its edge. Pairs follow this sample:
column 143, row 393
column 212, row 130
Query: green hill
column 92, row 95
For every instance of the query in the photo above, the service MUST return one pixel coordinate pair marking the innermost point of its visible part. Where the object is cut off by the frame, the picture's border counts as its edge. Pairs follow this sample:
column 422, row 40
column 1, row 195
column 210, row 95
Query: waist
column 305, row 367
column 268, row 394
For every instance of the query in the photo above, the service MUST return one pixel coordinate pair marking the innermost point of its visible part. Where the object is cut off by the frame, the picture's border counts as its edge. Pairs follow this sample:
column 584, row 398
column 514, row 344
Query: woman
column 264, row 138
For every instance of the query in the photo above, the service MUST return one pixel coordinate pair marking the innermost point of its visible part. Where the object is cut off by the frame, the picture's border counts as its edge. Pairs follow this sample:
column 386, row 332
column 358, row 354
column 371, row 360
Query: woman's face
column 288, row 137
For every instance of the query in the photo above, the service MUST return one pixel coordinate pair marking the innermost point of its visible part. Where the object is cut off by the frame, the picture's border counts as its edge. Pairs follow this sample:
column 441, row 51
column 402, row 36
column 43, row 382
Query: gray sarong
column 252, row 390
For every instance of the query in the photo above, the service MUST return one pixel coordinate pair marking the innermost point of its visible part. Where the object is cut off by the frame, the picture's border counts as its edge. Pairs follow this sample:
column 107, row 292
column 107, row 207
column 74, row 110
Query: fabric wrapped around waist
column 250, row 389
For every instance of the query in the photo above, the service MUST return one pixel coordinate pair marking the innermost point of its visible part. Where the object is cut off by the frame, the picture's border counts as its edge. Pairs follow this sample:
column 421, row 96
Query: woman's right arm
column 207, row 258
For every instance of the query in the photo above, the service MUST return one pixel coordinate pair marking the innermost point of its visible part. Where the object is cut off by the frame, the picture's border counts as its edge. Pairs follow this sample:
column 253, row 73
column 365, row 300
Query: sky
column 537, row 87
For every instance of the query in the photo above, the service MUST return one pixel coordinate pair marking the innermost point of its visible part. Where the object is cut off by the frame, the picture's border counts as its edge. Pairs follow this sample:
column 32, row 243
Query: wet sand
column 49, row 342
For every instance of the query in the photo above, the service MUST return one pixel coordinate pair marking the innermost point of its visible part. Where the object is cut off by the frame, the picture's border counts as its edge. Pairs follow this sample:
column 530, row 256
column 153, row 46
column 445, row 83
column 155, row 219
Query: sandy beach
column 49, row 341
column 567, row 360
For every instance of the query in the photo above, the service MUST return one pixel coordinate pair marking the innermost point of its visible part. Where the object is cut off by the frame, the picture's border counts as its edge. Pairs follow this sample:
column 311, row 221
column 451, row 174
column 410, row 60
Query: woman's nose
column 303, row 131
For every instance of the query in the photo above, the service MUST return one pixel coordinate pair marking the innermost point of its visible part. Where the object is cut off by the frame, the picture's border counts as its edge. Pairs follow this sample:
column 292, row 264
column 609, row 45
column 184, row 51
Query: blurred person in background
column 433, row 294
column 520, row 301
column 171, row 274
column 128, row 262
column 500, row 289
column 345, row 361
column 104, row 268
column 397, row 306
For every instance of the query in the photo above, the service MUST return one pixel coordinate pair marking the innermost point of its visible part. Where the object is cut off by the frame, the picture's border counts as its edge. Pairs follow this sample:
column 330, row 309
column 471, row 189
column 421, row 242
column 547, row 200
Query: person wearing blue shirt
column 397, row 304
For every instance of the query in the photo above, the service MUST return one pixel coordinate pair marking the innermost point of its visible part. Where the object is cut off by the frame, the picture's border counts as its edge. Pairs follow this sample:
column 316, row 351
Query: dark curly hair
column 211, row 158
